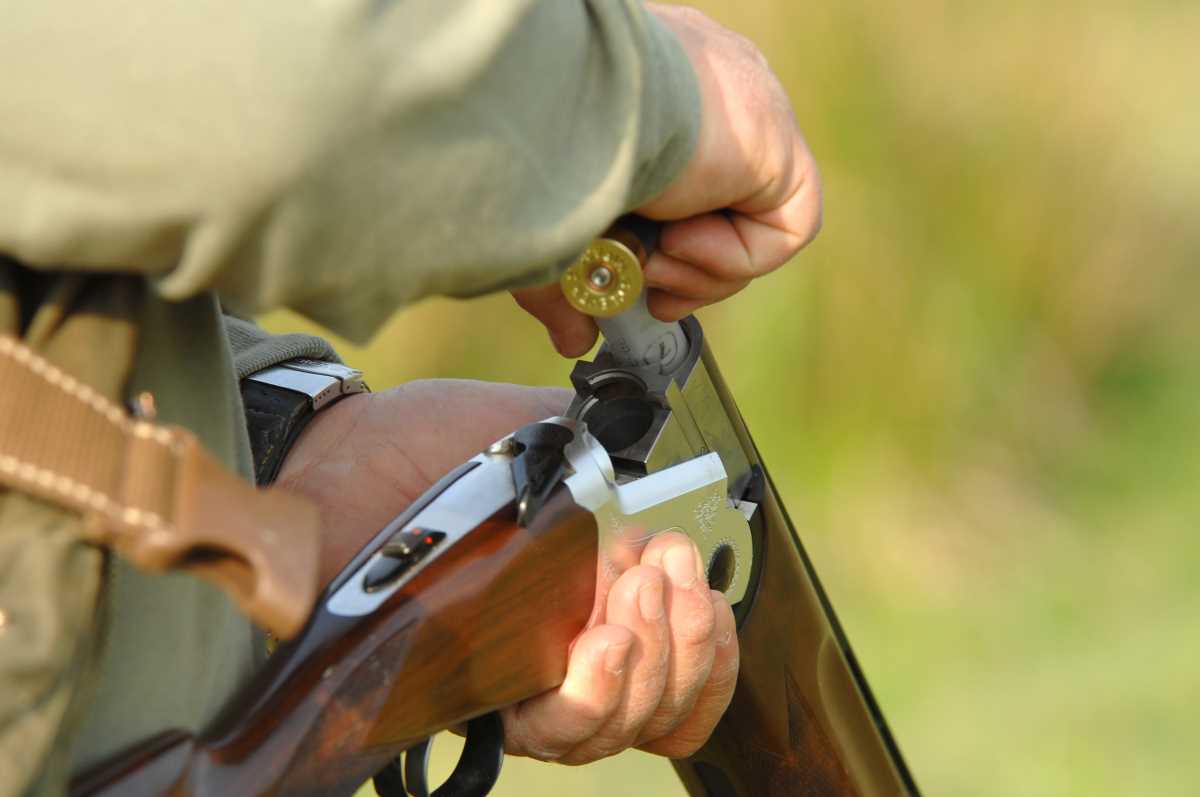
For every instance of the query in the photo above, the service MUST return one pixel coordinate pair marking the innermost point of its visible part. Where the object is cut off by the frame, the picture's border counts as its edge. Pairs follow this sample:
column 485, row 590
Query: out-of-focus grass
column 977, row 390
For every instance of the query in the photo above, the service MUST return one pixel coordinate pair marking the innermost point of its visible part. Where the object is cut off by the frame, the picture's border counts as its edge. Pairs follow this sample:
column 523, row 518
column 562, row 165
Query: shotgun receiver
column 468, row 600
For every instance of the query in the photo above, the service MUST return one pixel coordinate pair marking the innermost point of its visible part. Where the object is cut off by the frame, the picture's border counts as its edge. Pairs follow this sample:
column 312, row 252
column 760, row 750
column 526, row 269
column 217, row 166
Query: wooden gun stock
column 486, row 624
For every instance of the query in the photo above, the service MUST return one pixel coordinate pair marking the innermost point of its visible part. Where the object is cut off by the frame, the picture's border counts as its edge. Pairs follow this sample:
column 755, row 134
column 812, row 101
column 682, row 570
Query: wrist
column 322, row 466
column 323, row 439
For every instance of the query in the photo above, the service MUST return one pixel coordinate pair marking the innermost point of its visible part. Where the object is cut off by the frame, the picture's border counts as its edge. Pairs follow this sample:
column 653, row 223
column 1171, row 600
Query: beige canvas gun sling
column 80, row 476
column 152, row 493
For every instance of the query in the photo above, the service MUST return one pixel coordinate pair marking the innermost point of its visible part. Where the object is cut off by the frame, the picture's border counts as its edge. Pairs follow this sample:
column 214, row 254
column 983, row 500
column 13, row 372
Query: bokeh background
column 977, row 390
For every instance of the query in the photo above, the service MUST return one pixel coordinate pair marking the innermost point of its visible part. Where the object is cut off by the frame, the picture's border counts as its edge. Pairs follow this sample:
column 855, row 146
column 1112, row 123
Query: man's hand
column 749, row 199
column 657, row 664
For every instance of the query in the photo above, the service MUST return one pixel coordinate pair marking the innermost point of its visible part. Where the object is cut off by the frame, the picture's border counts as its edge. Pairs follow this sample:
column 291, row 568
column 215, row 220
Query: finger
column 621, row 551
column 615, row 559
column 732, row 246
column 571, row 332
column 688, row 280
column 546, row 726
column 773, row 230
column 668, row 307
column 691, row 734
column 710, row 242
column 760, row 233
column 637, row 601
column 692, row 622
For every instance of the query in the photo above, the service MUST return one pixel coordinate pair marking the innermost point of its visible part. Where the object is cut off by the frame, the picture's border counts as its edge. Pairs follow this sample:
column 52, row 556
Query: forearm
column 290, row 158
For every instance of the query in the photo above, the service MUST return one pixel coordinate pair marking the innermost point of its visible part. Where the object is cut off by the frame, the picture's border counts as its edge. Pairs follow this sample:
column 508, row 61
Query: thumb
column 572, row 333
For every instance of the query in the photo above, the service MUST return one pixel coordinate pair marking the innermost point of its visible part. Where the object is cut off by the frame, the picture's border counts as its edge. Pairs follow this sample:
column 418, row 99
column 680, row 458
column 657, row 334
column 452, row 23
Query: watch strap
column 280, row 401
column 275, row 417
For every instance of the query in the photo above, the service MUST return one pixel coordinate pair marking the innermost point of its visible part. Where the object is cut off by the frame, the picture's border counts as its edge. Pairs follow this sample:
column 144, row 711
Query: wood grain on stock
column 798, row 725
column 486, row 624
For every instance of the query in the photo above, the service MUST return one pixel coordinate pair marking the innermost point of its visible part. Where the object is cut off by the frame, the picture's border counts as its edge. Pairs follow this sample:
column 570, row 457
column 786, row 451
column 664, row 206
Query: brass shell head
column 606, row 279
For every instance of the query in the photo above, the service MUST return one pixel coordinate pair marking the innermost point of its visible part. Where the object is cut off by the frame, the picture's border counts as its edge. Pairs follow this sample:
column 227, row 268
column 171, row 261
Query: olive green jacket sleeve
column 341, row 159
column 255, row 349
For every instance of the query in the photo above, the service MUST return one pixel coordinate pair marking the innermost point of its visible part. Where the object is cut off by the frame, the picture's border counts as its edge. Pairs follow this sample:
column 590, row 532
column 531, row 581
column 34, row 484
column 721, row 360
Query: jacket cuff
column 255, row 349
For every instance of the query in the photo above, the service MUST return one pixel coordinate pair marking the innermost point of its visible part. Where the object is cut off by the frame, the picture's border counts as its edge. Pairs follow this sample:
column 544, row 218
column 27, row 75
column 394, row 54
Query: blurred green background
column 976, row 390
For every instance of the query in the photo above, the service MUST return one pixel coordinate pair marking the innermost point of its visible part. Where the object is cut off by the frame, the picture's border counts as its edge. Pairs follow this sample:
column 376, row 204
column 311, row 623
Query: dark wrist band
column 281, row 400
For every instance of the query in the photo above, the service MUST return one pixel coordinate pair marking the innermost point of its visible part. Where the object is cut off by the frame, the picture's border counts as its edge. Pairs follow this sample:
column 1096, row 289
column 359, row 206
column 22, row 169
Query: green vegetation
column 977, row 390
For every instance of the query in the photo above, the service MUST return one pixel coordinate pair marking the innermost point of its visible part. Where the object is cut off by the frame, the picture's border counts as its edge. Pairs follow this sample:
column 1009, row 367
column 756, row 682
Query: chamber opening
column 620, row 422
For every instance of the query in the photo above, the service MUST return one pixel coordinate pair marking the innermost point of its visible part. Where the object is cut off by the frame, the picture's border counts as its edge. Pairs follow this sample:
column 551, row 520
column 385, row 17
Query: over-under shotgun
column 468, row 601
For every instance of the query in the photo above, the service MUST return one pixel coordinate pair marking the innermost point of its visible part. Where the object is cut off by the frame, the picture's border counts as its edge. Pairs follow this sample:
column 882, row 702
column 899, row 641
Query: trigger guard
column 478, row 767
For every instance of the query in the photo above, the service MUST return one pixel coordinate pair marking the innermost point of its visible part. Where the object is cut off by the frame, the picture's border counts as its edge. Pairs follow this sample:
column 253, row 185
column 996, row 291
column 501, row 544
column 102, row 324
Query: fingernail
column 615, row 656
column 650, row 600
column 725, row 638
column 680, row 564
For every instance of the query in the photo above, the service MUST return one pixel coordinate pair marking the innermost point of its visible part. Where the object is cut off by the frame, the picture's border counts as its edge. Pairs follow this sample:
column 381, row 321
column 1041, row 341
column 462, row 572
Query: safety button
column 398, row 555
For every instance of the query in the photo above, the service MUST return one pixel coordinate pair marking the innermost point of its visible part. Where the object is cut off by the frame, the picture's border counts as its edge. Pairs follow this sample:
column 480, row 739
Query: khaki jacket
column 342, row 162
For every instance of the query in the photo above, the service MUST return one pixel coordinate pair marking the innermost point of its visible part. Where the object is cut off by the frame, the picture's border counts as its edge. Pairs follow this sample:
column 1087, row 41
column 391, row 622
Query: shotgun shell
column 605, row 281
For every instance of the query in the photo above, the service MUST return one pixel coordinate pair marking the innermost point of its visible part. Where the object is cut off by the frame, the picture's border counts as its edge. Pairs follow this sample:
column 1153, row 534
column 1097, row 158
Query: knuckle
column 542, row 744
column 753, row 54
column 639, row 576
column 519, row 740
column 816, row 221
column 579, row 758
column 660, row 544
column 574, row 759
column 683, row 744
column 812, row 212
column 723, row 678
column 734, row 287
column 594, row 749
column 540, row 752
column 592, row 714
column 695, row 16
column 697, row 626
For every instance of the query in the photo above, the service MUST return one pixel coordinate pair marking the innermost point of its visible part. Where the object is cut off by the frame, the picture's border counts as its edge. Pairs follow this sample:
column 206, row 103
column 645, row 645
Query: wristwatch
column 282, row 399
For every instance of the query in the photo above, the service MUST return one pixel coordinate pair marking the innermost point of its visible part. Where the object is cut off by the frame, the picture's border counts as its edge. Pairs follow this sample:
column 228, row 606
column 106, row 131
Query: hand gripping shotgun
column 467, row 602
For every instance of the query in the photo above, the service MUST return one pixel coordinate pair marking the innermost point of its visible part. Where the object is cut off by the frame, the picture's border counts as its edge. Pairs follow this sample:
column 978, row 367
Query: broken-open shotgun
column 468, row 601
